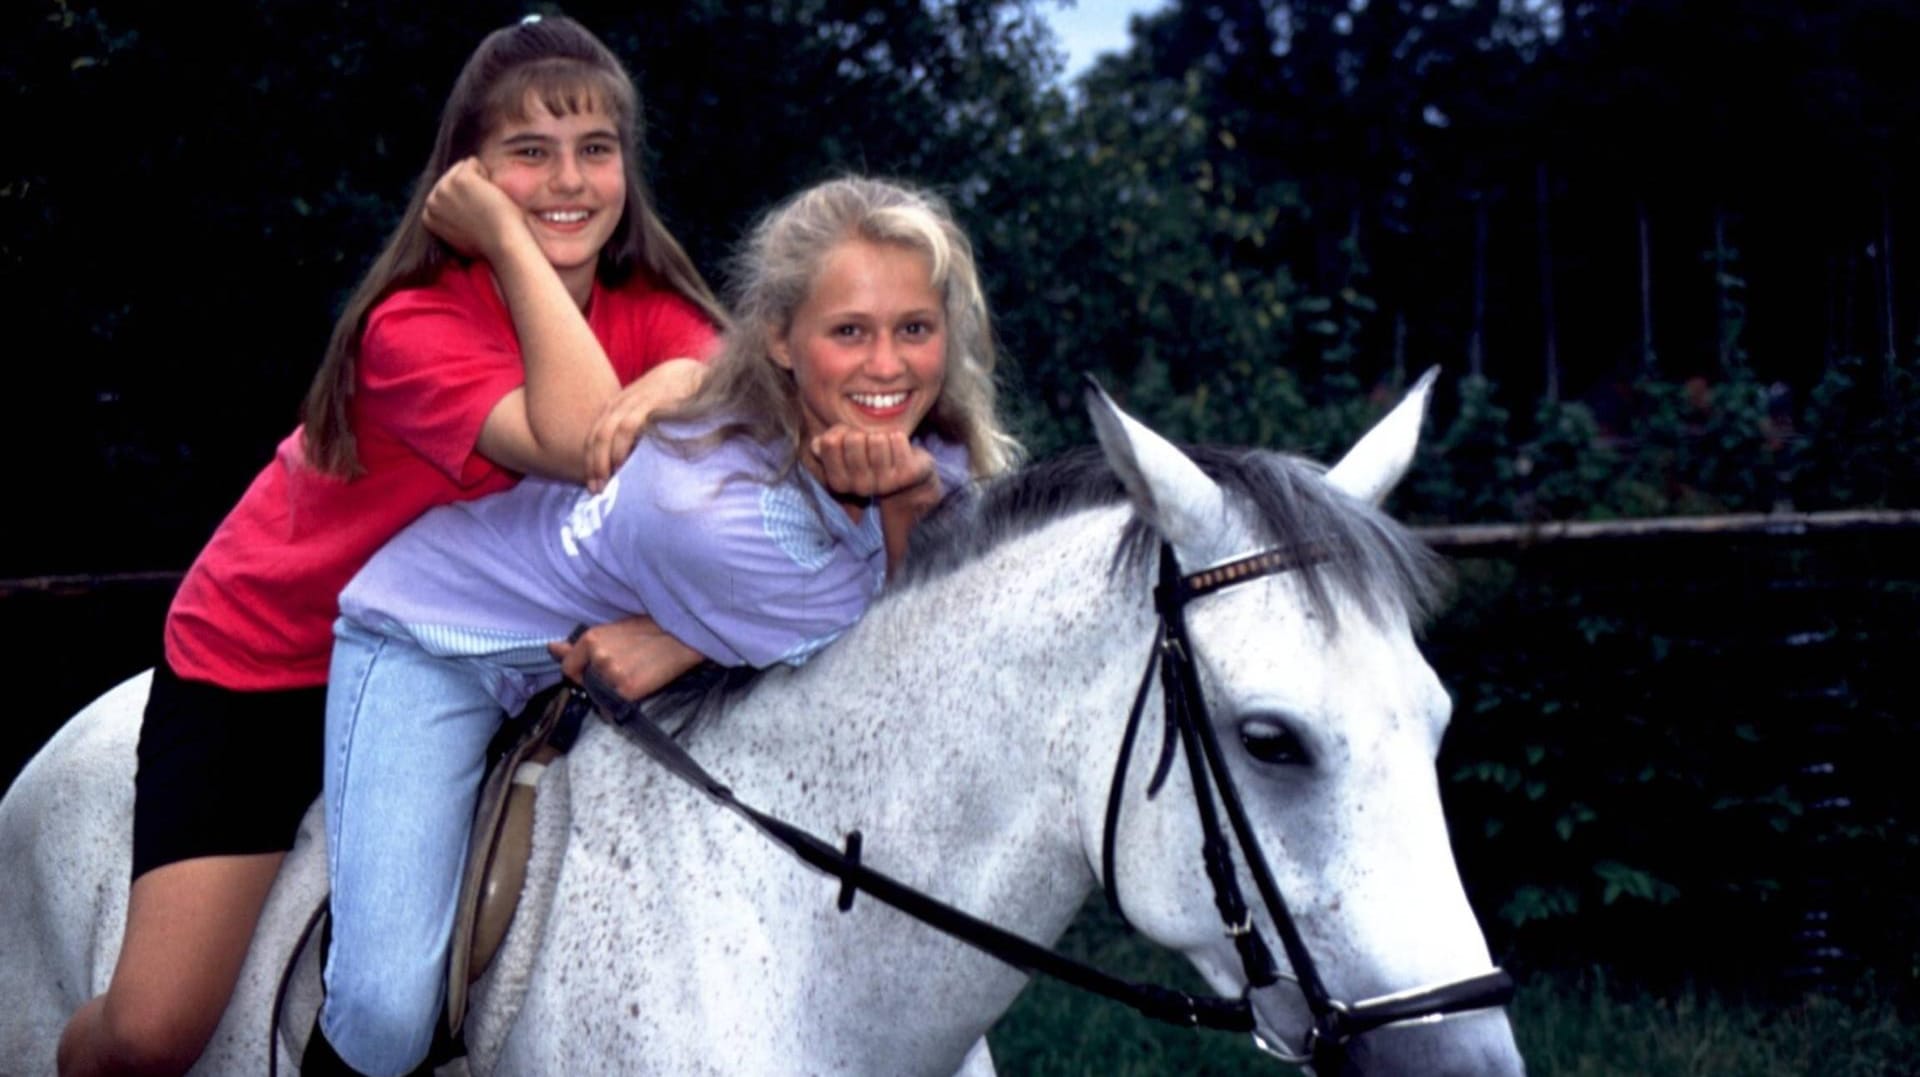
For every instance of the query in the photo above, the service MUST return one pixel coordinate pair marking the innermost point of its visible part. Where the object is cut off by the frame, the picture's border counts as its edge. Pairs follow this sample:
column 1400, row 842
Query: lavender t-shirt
column 744, row 571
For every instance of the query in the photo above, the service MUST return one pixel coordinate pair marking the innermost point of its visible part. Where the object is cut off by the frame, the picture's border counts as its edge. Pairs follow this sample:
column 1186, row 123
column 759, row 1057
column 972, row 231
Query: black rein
column 1151, row 1000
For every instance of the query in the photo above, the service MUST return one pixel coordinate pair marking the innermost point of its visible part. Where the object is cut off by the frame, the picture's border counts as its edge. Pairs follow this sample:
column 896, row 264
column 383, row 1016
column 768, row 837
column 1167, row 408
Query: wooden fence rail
column 1496, row 540
column 1453, row 540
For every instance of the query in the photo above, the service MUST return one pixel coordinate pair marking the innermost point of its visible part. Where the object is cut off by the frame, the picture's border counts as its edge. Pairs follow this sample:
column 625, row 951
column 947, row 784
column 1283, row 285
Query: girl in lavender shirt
column 750, row 526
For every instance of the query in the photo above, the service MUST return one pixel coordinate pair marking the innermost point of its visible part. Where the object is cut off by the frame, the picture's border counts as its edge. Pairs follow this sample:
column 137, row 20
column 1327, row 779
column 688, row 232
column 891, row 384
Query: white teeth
column 878, row 400
column 565, row 216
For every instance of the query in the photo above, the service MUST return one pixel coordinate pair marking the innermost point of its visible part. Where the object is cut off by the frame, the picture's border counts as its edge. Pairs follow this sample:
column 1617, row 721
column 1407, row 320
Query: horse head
column 1324, row 721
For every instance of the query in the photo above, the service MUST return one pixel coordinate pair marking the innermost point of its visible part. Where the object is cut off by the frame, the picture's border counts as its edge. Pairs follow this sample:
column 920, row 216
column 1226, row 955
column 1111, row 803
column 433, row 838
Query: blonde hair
column 774, row 272
column 559, row 63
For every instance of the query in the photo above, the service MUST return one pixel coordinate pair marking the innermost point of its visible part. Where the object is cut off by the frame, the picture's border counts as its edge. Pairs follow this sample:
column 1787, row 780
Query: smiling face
column 567, row 175
column 868, row 346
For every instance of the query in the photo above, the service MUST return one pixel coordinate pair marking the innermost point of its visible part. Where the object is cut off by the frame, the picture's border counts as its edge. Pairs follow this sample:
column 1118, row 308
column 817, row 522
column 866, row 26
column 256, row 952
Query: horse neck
column 955, row 724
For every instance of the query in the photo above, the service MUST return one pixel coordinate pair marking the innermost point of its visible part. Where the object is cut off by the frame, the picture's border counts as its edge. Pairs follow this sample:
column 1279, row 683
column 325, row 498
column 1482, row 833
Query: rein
column 1335, row 1023
column 1159, row 1003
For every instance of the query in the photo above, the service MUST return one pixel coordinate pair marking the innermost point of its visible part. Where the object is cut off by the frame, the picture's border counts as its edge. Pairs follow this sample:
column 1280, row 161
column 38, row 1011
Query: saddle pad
column 501, row 843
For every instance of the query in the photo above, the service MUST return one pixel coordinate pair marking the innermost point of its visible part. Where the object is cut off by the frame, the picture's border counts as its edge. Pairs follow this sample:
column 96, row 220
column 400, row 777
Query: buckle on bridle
column 1309, row 1046
column 1285, row 1054
column 1322, row 1035
column 1171, row 651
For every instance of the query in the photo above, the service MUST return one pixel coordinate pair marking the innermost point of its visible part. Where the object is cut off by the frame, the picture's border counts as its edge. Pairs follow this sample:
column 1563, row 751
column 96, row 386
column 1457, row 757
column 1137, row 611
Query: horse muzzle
column 1478, row 1043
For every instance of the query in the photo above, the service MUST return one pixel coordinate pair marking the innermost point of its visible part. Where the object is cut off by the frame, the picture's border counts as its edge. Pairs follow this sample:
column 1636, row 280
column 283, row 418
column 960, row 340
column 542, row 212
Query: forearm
column 668, row 384
column 627, row 414
column 899, row 513
column 569, row 380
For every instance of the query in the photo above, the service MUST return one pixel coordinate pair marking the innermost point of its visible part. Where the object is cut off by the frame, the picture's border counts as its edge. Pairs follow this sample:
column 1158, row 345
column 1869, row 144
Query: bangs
column 914, row 228
column 563, row 88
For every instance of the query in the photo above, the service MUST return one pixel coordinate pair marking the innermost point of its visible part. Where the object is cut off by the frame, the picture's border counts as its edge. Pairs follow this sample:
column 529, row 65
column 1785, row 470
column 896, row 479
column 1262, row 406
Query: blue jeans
column 406, row 747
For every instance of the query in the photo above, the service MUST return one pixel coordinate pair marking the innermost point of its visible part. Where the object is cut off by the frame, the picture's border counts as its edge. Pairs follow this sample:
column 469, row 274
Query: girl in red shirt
column 526, row 314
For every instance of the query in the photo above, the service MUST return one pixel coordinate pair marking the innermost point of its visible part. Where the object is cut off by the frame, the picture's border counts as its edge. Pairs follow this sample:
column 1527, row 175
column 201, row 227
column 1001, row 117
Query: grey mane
column 1363, row 552
column 1367, row 554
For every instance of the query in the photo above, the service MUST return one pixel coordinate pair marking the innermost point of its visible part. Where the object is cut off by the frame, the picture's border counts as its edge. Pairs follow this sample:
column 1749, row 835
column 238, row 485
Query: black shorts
column 223, row 772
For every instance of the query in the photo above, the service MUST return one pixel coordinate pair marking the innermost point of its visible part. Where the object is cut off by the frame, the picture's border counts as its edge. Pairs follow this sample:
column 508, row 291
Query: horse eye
column 1272, row 743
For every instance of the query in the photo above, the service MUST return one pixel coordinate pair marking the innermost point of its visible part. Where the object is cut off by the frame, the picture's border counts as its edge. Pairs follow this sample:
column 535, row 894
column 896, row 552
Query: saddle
column 489, row 891
column 502, row 841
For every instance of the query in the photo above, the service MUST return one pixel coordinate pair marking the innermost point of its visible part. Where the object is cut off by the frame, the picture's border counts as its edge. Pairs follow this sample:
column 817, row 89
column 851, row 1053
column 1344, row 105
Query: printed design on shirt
column 795, row 527
column 589, row 514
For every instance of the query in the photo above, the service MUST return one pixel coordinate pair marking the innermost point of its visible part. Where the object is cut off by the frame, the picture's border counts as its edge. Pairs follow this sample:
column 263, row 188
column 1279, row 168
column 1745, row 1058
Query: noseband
column 1335, row 1023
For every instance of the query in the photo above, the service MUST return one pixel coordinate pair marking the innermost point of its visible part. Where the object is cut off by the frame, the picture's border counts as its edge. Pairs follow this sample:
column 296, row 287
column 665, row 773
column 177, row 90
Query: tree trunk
column 1892, row 352
column 1647, row 362
column 1849, row 276
column 1477, row 320
column 1399, row 347
column 1830, row 344
column 1720, row 296
column 1549, row 330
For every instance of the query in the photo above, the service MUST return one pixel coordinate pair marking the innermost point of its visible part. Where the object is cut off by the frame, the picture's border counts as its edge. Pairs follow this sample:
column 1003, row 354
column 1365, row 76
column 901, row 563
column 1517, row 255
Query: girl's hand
column 898, row 474
column 634, row 657
column 621, row 421
column 860, row 463
column 470, row 213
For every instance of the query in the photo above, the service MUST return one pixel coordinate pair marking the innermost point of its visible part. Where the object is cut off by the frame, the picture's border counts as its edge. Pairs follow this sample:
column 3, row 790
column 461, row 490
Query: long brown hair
column 773, row 274
column 561, row 63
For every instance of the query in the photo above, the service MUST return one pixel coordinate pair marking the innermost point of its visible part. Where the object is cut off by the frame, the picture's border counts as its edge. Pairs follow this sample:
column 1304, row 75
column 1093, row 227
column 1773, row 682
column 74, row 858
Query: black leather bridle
column 1335, row 1023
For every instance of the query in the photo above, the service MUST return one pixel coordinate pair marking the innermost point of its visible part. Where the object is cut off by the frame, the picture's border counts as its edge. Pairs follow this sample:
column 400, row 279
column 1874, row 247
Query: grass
column 1581, row 1026
column 1567, row 1024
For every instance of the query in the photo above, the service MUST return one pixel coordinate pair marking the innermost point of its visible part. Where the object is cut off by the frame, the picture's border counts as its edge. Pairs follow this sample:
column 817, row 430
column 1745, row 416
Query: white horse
column 968, row 728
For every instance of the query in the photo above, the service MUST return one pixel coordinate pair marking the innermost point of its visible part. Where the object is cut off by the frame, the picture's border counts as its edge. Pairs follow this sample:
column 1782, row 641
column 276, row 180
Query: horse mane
column 1356, row 549
column 1362, row 551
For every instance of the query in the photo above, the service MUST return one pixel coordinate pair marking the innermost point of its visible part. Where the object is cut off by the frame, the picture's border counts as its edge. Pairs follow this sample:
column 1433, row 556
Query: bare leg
column 188, row 927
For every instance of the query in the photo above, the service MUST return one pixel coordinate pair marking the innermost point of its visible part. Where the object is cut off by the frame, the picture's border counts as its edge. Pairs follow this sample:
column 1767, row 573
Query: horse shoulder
column 612, row 954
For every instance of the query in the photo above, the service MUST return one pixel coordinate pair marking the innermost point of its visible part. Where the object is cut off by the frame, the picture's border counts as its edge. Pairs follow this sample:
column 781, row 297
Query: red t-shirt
column 256, row 610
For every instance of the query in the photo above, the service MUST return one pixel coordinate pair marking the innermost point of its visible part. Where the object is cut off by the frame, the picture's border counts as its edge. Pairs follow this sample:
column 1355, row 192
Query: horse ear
column 1168, row 490
column 1376, row 463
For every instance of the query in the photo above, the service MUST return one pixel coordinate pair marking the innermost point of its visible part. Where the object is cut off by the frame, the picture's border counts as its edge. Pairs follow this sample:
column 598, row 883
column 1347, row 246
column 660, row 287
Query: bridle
column 1335, row 1023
